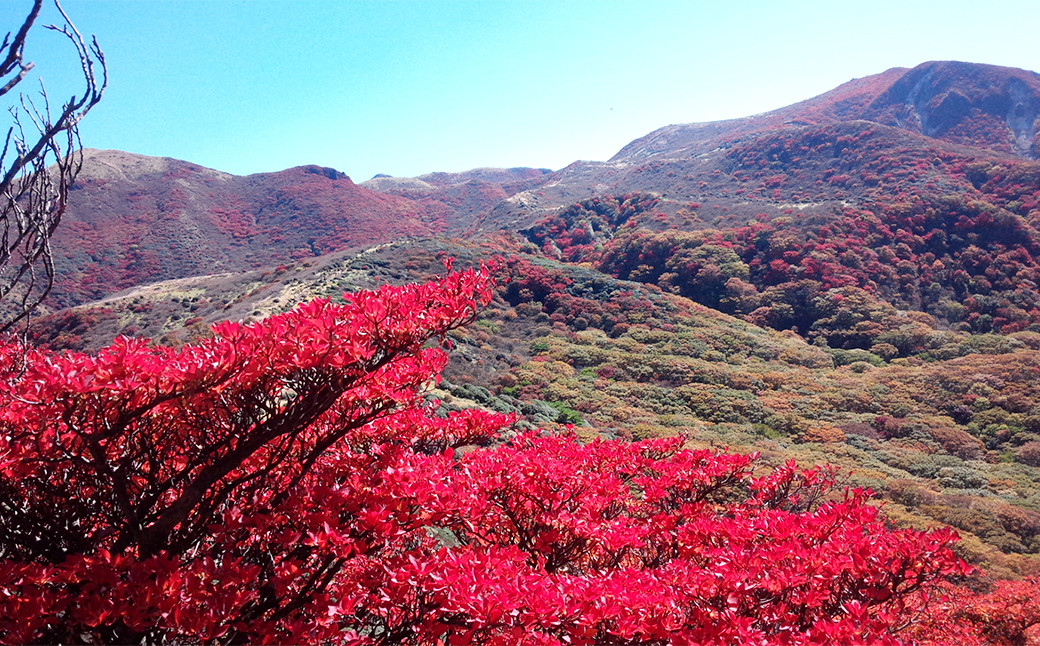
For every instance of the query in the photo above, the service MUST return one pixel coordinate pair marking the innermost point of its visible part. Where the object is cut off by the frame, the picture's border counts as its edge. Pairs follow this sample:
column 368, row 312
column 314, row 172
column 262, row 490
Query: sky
column 411, row 87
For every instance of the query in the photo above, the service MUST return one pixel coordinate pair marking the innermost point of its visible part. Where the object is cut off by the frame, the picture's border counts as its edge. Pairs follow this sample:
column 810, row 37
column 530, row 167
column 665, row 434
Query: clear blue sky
column 406, row 88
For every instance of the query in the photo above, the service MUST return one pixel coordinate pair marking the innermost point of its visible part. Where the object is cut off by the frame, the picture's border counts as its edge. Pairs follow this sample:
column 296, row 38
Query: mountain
column 778, row 218
column 461, row 197
column 911, row 190
column 921, row 131
column 963, row 103
column 961, row 109
column 134, row 219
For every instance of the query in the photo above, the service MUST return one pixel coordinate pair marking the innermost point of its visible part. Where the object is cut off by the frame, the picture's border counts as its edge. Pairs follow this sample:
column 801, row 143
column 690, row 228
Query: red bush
column 285, row 482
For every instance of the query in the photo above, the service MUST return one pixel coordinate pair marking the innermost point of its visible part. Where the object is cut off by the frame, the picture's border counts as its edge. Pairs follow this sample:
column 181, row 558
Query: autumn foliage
column 287, row 482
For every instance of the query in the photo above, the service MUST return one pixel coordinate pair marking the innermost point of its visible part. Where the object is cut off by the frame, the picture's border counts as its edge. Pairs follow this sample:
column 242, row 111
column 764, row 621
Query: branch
column 33, row 197
column 15, row 51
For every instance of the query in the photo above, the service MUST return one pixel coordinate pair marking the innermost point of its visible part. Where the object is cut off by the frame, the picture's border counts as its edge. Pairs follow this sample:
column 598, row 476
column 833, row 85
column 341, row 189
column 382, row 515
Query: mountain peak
column 966, row 103
column 971, row 104
column 111, row 165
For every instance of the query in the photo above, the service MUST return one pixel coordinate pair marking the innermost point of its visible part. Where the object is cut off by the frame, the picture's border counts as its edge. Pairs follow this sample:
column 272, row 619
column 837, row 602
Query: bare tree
column 40, row 159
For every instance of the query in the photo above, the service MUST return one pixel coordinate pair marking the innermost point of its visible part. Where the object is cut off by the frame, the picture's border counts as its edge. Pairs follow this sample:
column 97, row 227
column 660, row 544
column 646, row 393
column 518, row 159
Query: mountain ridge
column 814, row 155
column 876, row 98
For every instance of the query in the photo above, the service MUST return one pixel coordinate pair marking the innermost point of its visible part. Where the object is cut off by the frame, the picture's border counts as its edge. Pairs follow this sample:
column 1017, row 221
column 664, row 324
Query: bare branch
column 12, row 52
column 38, row 165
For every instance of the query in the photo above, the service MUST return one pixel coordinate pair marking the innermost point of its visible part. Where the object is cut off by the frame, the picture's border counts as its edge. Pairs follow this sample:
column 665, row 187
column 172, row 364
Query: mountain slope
column 135, row 219
column 951, row 439
column 969, row 110
column 984, row 106
column 461, row 197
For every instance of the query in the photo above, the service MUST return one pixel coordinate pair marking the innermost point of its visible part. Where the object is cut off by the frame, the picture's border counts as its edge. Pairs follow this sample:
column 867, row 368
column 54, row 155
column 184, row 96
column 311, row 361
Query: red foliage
column 576, row 232
column 285, row 482
column 958, row 259
column 1007, row 615
column 182, row 219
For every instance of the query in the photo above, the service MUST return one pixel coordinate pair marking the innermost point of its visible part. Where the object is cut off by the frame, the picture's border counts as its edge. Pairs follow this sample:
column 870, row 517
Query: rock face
column 977, row 105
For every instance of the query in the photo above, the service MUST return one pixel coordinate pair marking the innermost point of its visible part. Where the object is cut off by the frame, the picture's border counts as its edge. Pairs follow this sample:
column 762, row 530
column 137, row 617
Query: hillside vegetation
column 852, row 281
